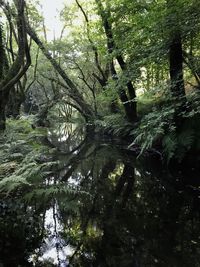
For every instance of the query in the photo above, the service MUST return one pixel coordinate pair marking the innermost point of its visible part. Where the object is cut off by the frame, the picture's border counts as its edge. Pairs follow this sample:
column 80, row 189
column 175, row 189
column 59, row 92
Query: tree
column 128, row 102
column 72, row 90
column 13, row 73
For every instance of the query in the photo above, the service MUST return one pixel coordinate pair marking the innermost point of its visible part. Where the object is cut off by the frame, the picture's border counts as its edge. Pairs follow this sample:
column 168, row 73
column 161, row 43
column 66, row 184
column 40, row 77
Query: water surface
column 103, row 207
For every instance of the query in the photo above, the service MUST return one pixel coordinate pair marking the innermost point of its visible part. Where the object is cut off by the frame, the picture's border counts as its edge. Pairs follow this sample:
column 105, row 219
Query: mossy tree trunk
column 11, row 75
column 16, row 99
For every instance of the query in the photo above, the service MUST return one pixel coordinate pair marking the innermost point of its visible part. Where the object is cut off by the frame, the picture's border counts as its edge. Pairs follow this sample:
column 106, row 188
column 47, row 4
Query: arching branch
column 72, row 89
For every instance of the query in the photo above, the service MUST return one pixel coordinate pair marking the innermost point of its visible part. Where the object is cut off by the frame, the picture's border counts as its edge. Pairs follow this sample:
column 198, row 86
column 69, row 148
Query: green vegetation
column 131, row 68
column 27, row 164
column 21, row 150
column 92, row 122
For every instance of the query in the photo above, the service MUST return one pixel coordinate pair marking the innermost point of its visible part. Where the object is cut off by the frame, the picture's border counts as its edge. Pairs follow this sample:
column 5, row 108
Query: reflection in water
column 103, row 208
column 54, row 248
column 67, row 136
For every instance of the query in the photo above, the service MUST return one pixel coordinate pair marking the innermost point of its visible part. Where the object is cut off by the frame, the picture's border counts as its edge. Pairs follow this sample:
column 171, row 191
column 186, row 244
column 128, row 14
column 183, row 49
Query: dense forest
column 123, row 71
column 131, row 68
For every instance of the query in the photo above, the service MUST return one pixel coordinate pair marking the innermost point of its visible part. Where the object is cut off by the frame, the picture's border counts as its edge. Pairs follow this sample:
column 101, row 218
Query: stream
column 108, row 209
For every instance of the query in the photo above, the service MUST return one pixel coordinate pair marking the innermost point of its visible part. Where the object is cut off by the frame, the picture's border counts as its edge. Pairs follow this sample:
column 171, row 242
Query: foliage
column 114, row 125
column 103, row 63
column 20, row 151
column 29, row 175
column 152, row 127
column 157, row 129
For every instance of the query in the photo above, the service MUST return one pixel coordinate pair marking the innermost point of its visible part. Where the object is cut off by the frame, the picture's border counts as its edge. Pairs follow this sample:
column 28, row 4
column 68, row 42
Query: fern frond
column 186, row 138
column 169, row 145
column 12, row 183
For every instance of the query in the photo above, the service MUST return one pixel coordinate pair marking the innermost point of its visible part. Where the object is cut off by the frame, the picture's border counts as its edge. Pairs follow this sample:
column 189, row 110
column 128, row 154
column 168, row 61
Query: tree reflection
column 117, row 213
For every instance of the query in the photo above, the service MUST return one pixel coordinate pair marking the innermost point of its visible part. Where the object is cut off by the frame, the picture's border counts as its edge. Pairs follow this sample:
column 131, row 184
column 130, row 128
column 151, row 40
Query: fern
column 169, row 146
column 151, row 129
column 53, row 191
column 186, row 138
column 12, row 183
column 177, row 145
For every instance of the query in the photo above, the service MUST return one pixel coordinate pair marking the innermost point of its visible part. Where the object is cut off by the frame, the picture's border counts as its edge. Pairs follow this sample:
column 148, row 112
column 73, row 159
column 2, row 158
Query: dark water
column 103, row 207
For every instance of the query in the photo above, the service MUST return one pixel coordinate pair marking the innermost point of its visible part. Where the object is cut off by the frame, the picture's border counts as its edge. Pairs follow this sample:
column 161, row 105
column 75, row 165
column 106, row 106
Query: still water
column 100, row 206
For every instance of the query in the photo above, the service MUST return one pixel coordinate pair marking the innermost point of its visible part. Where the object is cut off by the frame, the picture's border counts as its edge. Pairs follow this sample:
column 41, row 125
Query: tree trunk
column 14, row 104
column 131, row 90
column 177, row 81
column 176, row 67
column 129, row 104
column 12, row 74
column 3, row 101
column 2, row 117
column 176, row 62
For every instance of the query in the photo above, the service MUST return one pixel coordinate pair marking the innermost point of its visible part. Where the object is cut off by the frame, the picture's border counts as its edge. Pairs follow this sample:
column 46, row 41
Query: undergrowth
column 28, row 167
column 114, row 125
column 157, row 129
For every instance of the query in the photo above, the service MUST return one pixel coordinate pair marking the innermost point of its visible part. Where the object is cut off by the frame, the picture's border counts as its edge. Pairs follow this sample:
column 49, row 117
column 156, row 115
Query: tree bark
column 3, row 101
column 16, row 99
column 176, row 73
column 13, row 73
column 19, row 67
column 176, row 66
column 131, row 89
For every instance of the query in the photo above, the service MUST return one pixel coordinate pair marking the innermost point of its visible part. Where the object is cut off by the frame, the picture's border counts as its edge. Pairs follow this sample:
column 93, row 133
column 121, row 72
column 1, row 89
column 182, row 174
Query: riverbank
column 22, row 154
